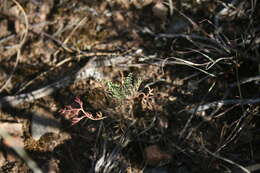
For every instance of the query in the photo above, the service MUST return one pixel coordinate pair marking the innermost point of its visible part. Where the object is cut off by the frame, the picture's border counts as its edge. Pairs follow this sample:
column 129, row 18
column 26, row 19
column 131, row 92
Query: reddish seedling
column 75, row 115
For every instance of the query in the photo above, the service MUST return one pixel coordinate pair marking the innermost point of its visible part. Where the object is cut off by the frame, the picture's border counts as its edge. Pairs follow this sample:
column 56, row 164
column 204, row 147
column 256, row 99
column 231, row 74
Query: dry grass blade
column 193, row 65
column 227, row 160
column 109, row 161
column 198, row 41
column 63, row 44
column 187, row 124
column 18, row 55
column 244, row 81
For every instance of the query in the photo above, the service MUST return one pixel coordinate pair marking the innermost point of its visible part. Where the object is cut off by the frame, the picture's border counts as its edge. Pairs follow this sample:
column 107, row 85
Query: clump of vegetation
column 120, row 97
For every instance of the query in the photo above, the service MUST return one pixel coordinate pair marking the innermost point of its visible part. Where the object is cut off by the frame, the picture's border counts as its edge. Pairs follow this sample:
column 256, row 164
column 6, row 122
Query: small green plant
column 128, row 87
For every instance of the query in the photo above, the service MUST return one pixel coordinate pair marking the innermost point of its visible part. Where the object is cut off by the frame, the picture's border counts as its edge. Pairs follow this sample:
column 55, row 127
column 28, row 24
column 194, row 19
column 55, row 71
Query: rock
column 160, row 11
column 141, row 4
column 13, row 129
column 43, row 122
column 12, row 134
column 154, row 155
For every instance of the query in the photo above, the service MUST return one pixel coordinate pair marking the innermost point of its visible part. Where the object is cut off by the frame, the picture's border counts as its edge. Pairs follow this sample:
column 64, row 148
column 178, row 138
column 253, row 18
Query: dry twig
column 89, row 70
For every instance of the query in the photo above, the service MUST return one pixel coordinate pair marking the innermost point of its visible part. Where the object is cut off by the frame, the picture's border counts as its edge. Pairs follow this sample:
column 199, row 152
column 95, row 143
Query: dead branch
column 89, row 70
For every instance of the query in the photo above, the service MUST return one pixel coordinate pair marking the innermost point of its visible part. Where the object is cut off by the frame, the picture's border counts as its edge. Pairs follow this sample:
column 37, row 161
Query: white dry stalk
column 220, row 103
column 197, row 40
column 109, row 160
